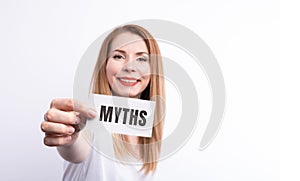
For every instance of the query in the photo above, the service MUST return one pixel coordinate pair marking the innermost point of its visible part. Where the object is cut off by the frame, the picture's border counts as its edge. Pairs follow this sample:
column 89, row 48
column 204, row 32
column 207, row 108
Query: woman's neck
column 134, row 145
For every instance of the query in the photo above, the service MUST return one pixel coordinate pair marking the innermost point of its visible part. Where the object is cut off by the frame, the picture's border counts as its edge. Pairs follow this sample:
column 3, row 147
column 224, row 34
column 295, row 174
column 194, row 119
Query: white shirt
column 100, row 168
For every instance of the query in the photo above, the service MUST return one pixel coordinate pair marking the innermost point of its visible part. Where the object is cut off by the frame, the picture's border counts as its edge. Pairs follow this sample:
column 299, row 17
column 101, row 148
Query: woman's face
column 128, row 66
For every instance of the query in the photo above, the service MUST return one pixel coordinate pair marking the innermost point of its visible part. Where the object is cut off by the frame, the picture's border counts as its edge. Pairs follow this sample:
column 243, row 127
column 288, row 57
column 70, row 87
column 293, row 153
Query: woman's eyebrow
column 137, row 53
column 121, row 51
column 140, row 53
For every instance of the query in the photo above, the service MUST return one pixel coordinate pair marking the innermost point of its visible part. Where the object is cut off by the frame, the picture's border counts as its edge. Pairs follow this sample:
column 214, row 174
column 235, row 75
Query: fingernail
column 70, row 130
column 69, row 138
column 77, row 120
column 91, row 113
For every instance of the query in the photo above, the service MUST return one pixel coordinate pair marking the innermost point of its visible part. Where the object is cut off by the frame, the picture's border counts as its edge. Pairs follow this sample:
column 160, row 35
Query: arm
column 77, row 151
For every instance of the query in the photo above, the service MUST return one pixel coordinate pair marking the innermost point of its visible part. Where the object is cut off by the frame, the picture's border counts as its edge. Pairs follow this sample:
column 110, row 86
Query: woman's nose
column 129, row 66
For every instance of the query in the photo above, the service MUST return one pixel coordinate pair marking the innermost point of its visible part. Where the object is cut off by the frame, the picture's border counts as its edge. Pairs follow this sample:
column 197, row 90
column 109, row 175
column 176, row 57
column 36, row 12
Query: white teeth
column 127, row 80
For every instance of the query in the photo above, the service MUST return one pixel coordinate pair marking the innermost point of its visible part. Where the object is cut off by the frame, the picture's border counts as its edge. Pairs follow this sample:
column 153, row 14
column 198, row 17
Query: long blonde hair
column 149, row 147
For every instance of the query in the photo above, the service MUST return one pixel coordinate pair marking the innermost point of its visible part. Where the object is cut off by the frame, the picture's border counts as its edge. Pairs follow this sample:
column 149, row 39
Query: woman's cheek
column 144, row 70
column 112, row 68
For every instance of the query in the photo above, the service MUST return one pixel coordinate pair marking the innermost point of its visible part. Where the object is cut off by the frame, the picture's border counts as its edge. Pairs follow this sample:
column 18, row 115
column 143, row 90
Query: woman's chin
column 127, row 94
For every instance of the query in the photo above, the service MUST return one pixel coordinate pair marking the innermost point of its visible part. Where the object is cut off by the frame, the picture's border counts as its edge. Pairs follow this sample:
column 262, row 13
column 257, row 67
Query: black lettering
column 106, row 114
column 125, row 115
column 133, row 116
column 142, row 122
column 117, row 113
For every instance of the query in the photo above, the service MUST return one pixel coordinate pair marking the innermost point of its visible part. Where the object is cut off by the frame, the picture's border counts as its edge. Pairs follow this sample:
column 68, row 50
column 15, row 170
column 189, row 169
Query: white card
column 125, row 115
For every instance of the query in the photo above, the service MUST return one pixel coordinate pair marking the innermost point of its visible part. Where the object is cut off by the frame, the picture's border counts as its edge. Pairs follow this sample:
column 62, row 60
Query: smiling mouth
column 128, row 81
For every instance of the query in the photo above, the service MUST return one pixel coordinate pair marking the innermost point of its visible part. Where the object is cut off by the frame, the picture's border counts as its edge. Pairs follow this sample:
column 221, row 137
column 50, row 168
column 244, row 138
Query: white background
column 41, row 44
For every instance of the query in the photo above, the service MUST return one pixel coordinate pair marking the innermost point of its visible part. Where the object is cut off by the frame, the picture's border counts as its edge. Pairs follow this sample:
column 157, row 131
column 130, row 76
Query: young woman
column 129, row 65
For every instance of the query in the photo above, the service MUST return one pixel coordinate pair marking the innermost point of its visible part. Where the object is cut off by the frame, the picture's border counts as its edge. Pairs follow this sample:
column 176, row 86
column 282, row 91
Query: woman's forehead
column 127, row 39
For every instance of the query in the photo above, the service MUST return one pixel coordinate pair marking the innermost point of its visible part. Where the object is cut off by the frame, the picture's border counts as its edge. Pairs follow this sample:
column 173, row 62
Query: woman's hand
column 63, row 121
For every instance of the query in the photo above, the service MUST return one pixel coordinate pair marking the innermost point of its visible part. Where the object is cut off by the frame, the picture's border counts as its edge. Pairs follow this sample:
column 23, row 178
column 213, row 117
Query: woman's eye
column 142, row 59
column 118, row 57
